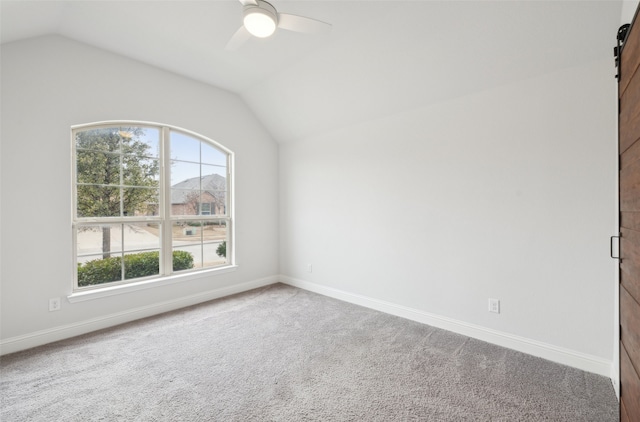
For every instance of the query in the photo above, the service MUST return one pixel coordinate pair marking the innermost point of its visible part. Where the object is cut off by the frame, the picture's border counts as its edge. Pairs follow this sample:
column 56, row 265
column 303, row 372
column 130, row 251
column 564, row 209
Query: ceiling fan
column 261, row 19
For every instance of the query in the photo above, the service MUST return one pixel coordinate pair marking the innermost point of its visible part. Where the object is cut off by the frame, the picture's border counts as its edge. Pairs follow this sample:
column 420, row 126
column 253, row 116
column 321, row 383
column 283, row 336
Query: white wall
column 509, row 194
column 51, row 83
column 628, row 11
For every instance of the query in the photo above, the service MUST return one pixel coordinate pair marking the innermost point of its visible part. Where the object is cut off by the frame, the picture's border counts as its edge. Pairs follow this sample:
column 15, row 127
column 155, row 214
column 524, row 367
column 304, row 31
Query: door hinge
column 620, row 332
column 617, row 50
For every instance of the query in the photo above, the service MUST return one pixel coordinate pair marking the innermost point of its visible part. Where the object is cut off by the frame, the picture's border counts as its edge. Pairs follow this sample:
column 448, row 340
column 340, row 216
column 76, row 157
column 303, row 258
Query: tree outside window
column 123, row 228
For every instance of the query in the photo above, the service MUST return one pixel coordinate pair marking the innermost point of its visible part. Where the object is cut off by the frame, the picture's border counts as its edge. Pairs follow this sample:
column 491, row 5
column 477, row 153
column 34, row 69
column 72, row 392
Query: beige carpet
column 284, row 354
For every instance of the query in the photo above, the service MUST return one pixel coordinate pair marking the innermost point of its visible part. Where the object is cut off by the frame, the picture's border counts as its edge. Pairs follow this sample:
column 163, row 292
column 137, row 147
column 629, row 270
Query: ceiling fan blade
column 240, row 37
column 302, row 24
column 249, row 2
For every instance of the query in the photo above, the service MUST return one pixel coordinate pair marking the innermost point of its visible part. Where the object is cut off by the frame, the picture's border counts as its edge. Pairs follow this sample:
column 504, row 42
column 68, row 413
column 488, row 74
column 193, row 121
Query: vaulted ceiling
column 381, row 57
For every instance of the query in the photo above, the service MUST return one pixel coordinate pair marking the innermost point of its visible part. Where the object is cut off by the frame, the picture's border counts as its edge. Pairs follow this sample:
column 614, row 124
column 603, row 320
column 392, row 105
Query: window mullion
column 123, row 277
column 165, row 209
column 121, row 179
column 229, row 239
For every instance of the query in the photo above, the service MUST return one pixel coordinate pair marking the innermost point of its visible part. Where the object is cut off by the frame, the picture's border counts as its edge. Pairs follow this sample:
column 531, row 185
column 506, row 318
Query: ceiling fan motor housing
column 260, row 20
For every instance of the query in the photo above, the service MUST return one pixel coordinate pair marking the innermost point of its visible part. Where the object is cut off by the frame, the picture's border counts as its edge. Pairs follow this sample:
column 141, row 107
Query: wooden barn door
column 629, row 144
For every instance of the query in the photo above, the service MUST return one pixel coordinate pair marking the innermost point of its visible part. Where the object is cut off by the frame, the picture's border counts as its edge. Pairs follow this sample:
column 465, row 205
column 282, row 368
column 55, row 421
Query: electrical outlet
column 494, row 305
column 309, row 268
column 54, row 304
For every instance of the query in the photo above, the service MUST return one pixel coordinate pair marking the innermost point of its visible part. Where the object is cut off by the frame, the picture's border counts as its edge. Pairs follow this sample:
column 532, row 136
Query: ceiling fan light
column 259, row 22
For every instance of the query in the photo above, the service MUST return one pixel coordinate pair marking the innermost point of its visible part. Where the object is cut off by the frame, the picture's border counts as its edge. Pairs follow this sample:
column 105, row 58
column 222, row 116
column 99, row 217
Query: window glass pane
column 141, row 264
column 98, row 270
column 98, row 201
column 99, row 254
column 97, row 239
column 219, row 171
column 205, row 241
column 185, row 175
column 142, row 250
column 140, row 202
column 214, row 244
column 98, row 167
column 185, row 202
column 140, row 141
column 103, row 139
column 219, row 200
column 212, row 155
column 186, row 237
column 141, row 236
column 138, row 171
column 214, row 187
column 186, row 233
column 184, row 147
column 184, row 258
column 207, row 206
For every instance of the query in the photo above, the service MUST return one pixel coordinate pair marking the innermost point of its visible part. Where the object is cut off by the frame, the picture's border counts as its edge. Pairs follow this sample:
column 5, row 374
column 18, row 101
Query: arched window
column 149, row 201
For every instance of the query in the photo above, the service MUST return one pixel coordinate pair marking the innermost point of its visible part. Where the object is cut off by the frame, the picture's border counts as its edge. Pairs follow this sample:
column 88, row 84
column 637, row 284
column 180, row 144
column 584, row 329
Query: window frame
column 164, row 218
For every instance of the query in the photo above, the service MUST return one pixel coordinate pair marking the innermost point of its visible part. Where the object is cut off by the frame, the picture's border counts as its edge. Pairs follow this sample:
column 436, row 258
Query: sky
column 190, row 156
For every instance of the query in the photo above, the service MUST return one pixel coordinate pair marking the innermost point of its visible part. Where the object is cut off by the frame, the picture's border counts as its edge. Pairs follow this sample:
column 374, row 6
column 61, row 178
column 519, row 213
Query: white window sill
column 82, row 296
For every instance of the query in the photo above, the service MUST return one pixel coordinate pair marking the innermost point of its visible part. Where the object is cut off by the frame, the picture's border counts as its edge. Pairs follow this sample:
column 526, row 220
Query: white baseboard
column 550, row 352
column 547, row 351
column 38, row 338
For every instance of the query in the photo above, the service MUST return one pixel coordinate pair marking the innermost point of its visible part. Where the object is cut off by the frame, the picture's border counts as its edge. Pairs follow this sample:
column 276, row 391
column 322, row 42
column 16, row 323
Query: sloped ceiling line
column 382, row 57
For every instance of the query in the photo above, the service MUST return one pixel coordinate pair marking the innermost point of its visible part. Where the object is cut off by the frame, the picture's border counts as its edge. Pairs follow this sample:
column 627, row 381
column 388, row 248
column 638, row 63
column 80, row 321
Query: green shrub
column 222, row 249
column 141, row 265
column 137, row 265
column 182, row 260
column 99, row 271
